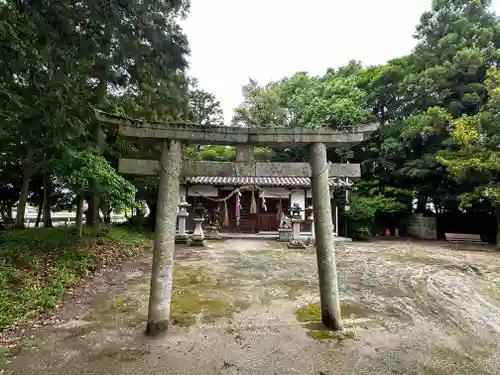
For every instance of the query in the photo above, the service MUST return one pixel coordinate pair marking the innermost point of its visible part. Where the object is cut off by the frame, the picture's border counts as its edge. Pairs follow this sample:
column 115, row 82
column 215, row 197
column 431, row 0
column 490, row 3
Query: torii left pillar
column 160, row 294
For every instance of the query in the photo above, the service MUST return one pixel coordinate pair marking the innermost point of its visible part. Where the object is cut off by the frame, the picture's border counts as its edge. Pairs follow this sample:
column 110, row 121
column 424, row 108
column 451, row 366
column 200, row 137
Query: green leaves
column 85, row 172
column 58, row 61
column 477, row 150
column 332, row 100
column 203, row 108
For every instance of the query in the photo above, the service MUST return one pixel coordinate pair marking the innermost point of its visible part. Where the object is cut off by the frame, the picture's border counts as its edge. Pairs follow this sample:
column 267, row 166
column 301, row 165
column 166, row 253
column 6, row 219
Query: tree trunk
column 38, row 216
column 107, row 217
column 421, row 204
column 23, row 197
column 95, row 199
column 79, row 217
column 7, row 214
column 153, row 208
column 47, row 189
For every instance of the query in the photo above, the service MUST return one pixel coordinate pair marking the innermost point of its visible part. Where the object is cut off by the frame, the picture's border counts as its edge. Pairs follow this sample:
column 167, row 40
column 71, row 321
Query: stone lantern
column 182, row 237
column 296, row 218
column 198, row 237
column 310, row 218
column 212, row 230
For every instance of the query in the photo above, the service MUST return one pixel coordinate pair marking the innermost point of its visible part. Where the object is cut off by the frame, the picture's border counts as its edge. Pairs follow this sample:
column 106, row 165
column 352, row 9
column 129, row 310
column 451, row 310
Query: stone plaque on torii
column 170, row 138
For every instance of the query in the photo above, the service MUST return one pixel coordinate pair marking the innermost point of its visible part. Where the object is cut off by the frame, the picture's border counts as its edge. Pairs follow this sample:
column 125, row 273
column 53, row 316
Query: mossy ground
column 311, row 313
column 398, row 316
column 196, row 296
column 330, row 335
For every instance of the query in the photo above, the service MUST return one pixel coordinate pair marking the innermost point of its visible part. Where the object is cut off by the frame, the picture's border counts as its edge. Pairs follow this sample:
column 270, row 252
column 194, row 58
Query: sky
column 234, row 40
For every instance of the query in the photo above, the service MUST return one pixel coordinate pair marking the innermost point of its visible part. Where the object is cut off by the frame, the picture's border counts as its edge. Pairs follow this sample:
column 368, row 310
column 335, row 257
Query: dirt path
column 413, row 309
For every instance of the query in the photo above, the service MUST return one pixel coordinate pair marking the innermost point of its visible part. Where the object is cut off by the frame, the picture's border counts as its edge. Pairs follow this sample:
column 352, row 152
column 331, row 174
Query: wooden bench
column 462, row 237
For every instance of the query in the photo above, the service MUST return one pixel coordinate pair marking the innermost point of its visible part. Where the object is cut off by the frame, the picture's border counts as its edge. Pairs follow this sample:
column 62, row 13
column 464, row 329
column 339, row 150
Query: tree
column 204, row 108
column 332, row 100
column 476, row 154
column 415, row 96
column 83, row 171
column 137, row 46
column 60, row 60
column 365, row 209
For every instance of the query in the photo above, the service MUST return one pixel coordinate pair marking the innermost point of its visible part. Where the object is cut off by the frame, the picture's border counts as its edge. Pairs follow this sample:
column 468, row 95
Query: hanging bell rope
column 279, row 210
column 225, row 218
column 263, row 199
column 238, row 208
column 253, row 204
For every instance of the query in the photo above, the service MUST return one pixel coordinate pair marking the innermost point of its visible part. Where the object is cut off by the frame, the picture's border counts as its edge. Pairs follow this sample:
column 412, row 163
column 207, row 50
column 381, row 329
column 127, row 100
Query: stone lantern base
column 296, row 241
column 198, row 237
column 182, row 238
column 284, row 234
column 212, row 233
column 296, row 244
column 198, row 241
column 310, row 241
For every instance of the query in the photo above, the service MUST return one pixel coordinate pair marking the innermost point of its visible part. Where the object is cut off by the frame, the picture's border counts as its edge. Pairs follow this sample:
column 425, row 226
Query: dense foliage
column 59, row 61
column 438, row 107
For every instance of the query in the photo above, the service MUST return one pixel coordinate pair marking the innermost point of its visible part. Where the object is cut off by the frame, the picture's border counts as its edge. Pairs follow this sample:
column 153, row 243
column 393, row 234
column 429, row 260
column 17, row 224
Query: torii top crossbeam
column 227, row 135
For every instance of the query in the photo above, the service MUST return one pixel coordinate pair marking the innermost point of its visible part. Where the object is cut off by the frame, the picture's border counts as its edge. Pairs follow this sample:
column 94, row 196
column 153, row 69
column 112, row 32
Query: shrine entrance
column 168, row 139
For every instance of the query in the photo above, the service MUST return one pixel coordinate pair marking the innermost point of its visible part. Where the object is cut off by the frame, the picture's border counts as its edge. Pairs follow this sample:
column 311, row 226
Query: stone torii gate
column 170, row 137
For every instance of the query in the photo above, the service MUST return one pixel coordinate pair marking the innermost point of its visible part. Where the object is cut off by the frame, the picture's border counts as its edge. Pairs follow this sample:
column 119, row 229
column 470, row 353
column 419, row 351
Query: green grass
column 128, row 237
column 38, row 265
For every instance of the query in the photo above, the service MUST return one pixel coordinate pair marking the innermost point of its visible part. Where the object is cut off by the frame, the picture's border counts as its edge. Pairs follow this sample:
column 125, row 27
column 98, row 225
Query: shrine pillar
column 164, row 241
column 325, row 247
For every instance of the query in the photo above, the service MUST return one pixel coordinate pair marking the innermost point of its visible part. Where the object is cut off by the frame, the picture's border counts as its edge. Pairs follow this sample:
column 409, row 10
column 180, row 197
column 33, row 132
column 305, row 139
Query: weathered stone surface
column 212, row 233
column 198, row 236
column 182, row 237
column 423, row 227
column 245, row 153
column 245, row 161
column 275, row 137
column 164, row 242
column 296, row 240
column 224, row 169
column 284, row 234
column 325, row 247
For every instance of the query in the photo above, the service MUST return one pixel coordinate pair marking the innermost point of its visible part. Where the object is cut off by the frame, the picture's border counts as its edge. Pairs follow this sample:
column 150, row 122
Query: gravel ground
column 414, row 308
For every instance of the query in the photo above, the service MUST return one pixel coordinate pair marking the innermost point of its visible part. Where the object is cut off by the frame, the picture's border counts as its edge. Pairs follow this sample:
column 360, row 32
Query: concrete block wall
column 423, row 227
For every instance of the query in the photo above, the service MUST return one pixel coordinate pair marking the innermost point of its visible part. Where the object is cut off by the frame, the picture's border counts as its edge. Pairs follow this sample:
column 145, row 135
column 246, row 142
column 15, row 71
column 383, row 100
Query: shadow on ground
column 249, row 307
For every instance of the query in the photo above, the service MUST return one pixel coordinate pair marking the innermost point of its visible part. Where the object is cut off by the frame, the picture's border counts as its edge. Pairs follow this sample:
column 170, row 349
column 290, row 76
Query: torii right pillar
column 325, row 246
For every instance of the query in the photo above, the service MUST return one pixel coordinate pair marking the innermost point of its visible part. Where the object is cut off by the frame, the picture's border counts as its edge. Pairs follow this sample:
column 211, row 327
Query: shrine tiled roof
column 262, row 181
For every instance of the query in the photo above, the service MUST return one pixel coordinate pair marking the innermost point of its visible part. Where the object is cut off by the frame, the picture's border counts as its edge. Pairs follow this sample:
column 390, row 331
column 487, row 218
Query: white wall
column 203, row 191
column 298, row 196
column 276, row 192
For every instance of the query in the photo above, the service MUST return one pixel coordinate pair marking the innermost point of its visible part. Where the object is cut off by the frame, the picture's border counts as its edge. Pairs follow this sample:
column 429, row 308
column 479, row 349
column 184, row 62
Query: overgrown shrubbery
column 365, row 212
column 38, row 265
